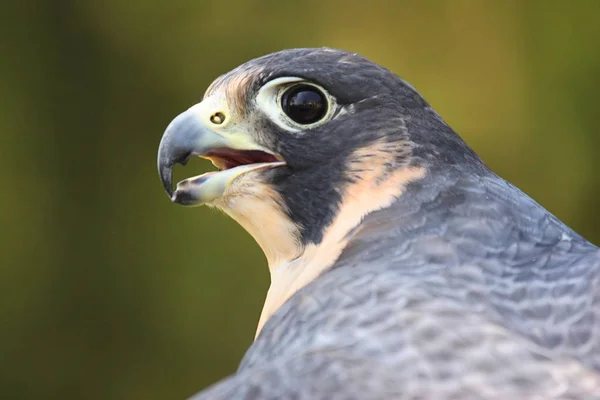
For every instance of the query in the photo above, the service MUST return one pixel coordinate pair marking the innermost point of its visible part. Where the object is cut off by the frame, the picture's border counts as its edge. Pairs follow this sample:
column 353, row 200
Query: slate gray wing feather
column 489, row 245
column 516, row 372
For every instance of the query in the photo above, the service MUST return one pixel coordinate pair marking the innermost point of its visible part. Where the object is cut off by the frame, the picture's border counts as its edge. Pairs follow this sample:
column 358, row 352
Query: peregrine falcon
column 401, row 266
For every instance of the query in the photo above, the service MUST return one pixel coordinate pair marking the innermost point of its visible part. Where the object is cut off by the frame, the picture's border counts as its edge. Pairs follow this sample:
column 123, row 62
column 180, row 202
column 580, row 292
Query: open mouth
column 231, row 164
column 224, row 158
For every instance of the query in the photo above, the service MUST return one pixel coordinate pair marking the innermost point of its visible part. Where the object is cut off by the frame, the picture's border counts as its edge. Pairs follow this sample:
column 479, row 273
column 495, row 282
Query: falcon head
column 307, row 142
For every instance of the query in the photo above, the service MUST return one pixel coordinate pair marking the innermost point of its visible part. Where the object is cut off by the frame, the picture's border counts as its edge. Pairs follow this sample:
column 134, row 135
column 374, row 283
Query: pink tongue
column 232, row 158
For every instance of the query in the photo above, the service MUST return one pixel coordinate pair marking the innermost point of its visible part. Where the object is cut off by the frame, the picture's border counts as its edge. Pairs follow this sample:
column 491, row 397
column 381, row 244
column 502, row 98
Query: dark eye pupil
column 304, row 104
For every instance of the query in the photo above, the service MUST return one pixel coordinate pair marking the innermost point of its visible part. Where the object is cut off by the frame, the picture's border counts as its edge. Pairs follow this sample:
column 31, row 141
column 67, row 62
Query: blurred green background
column 108, row 291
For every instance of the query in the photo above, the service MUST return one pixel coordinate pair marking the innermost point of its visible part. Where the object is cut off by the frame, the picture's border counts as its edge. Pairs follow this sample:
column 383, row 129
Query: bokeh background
column 108, row 291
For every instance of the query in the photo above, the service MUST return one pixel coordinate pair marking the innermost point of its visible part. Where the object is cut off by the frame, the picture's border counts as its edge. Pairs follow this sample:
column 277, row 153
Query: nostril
column 217, row 118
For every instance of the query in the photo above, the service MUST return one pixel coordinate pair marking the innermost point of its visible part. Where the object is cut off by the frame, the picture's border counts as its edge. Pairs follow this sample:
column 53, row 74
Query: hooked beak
column 192, row 134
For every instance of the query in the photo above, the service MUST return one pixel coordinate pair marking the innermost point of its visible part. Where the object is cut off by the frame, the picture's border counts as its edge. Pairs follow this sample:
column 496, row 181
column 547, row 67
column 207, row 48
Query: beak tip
column 166, row 176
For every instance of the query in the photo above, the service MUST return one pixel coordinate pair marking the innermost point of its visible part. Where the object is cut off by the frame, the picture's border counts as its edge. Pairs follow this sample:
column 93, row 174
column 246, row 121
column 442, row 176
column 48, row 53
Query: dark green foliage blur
column 108, row 291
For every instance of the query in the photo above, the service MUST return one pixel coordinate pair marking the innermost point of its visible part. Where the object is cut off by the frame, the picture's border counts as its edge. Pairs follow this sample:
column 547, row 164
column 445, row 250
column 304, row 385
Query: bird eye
column 304, row 104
